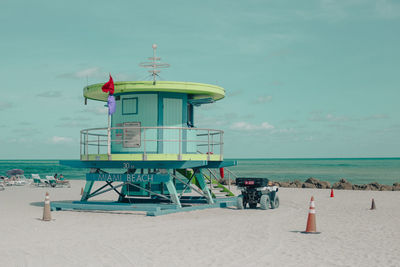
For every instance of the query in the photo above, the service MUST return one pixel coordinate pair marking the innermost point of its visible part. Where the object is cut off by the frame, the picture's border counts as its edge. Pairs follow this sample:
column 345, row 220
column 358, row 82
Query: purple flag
column 111, row 104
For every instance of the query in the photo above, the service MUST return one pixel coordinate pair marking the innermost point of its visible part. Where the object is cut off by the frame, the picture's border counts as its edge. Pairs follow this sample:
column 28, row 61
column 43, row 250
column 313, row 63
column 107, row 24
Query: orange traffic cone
column 311, row 225
column 373, row 205
column 332, row 195
column 46, row 211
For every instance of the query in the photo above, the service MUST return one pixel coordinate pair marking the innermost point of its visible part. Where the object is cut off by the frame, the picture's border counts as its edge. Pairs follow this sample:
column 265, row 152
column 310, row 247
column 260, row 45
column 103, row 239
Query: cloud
column 278, row 83
column 232, row 93
column 25, row 123
column 5, row 105
column 50, row 94
column 26, row 131
column 376, row 117
column 72, row 124
column 290, row 121
column 284, row 130
column 96, row 110
column 387, row 9
column 60, row 140
column 309, row 138
column 77, row 122
column 263, row 99
column 23, row 140
column 245, row 126
column 336, row 11
column 281, row 53
column 319, row 116
column 89, row 72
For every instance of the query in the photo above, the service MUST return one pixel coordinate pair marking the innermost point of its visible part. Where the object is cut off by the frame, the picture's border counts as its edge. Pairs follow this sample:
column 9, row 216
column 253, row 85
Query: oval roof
column 197, row 90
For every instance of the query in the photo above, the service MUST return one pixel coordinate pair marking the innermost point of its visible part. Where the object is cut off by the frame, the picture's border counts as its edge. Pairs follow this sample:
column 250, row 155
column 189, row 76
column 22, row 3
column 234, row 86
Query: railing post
column 86, row 145
column 98, row 144
column 212, row 143
column 180, row 144
column 80, row 145
column 144, row 144
column 229, row 181
column 221, row 145
column 208, row 145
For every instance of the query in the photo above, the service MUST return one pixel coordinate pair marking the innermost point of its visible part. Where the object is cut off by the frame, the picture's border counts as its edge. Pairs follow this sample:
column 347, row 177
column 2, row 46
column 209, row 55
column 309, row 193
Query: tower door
column 172, row 117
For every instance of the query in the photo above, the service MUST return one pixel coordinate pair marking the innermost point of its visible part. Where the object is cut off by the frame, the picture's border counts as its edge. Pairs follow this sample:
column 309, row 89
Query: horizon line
column 230, row 158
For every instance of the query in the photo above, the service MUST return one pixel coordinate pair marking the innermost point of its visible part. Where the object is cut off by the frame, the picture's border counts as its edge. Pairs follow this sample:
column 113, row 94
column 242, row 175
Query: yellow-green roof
column 196, row 90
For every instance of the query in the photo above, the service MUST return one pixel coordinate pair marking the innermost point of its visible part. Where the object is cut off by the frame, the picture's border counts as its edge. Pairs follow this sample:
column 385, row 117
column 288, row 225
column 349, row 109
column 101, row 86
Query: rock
column 342, row 184
column 375, row 186
column 325, row 184
column 308, row 185
column 385, row 187
column 318, row 183
column 360, row 187
column 356, row 187
column 284, row 184
column 312, row 180
column 396, row 187
column 296, row 184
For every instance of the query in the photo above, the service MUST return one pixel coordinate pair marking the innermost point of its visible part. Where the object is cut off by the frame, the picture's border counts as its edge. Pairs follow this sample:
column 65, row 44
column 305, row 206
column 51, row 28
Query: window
column 130, row 106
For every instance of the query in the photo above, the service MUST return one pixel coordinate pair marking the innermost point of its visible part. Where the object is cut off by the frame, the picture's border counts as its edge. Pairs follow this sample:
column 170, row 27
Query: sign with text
column 124, row 177
column 131, row 134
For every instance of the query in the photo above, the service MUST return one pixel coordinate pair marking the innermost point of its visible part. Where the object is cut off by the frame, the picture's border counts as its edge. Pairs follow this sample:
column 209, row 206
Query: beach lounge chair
column 23, row 180
column 18, row 180
column 55, row 183
column 51, row 180
column 37, row 181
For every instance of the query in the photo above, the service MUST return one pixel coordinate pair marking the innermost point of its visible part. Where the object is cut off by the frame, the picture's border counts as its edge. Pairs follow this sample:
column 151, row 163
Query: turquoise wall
column 172, row 117
column 152, row 109
column 146, row 114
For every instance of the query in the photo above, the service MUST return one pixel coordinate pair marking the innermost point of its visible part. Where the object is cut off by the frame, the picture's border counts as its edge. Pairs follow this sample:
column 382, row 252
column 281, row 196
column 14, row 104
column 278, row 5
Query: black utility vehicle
column 257, row 190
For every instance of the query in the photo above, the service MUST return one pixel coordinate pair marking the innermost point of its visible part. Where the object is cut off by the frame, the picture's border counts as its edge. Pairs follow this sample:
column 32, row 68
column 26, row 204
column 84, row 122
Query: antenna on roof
column 155, row 64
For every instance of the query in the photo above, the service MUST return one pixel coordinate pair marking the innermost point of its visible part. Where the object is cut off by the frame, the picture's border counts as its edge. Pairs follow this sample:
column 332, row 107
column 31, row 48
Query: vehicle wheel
column 275, row 203
column 240, row 205
column 264, row 202
column 253, row 205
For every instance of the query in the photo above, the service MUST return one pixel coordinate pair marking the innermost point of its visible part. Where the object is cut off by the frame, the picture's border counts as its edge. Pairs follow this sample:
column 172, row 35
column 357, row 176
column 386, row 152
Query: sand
column 351, row 234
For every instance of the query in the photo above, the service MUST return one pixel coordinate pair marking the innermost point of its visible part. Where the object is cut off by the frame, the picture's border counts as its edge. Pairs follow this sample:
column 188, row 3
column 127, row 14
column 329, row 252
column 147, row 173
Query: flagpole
column 109, row 137
column 108, row 87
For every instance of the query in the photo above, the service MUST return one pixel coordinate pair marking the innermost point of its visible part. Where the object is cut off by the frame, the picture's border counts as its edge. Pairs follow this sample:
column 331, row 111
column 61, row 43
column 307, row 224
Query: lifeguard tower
column 154, row 148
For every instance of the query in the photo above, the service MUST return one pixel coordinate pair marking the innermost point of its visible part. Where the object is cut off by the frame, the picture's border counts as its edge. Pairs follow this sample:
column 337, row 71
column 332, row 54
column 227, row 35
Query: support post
column 203, row 185
column 172, row 192
column 88, row 186
column 86, row 190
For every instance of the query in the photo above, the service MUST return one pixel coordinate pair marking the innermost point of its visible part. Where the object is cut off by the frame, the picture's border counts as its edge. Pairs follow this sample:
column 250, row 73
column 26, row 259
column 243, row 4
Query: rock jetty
column 341, row 184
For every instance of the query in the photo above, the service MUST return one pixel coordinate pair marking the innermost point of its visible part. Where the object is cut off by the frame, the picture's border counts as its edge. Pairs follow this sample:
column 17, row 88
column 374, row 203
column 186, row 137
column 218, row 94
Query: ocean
column 355, row 170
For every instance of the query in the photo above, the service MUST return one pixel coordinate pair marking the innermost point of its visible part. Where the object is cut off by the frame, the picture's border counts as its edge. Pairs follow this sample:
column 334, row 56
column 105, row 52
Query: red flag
column 108, row 87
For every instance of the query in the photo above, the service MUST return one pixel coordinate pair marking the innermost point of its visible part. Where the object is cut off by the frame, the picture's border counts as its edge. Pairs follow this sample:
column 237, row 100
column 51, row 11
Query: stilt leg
column 203, row 186
column 172, row 192
column 86, row 191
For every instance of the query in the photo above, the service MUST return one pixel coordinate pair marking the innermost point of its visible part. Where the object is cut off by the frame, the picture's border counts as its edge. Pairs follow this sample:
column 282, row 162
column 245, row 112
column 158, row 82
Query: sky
column 303, row 79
